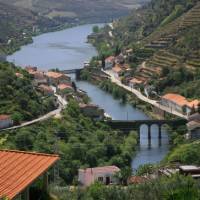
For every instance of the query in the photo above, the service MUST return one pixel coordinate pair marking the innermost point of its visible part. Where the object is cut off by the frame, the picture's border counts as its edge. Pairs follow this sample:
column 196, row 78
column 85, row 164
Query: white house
column 179, row 103
column 5, row 121
column 109, row 62
column 106, row 175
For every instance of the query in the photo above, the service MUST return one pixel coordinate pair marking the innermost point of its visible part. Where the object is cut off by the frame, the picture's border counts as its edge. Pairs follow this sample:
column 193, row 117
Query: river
column 67, row 49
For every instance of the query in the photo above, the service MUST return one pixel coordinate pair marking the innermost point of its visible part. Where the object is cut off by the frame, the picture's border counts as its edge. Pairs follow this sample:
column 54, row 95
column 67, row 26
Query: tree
column 17, row 117
column 117, row 50
column 74, row 86
column 124, row 174
column 95, row 29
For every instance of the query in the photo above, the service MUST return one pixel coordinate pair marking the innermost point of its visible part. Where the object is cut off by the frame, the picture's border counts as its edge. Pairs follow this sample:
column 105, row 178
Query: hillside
column 18, row 97
column 18, row 25
column 164, row 34
column 79, row 11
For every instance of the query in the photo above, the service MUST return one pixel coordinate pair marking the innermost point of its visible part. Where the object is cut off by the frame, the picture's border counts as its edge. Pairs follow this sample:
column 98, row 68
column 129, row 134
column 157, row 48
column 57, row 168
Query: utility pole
column 127, row 115
column 56, row 151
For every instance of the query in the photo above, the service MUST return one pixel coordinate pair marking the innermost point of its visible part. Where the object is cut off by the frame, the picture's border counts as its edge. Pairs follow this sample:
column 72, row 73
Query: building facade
column 109, row 62
column 93, row 111
column 105, row 175
column 179, row 103
column 55, row 78
column 5, row 121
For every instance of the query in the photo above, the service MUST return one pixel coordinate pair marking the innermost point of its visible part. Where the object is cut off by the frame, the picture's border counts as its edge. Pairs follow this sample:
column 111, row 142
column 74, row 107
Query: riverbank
column 103, row 82
column 10, row 49
column 80, row 141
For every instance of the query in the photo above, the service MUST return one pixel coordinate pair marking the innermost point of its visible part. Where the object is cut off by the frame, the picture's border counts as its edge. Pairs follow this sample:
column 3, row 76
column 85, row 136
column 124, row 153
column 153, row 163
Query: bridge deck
column 70, row 71
column 134, row 124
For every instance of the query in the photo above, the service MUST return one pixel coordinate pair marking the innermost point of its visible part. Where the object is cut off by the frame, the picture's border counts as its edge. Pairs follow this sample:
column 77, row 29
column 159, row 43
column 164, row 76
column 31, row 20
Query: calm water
column 68, row 49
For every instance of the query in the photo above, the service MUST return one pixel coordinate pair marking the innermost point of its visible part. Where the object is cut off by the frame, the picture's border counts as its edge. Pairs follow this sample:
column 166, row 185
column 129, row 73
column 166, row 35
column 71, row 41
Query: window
column 100, row 179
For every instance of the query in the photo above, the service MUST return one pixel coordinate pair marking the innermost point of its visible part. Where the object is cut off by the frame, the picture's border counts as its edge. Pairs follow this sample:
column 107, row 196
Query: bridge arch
column 127, row 126
column 143, row 127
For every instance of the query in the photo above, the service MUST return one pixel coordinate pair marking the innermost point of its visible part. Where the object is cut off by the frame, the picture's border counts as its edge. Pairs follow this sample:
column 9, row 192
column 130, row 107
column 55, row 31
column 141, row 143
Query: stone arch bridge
column 77, row 72
column 128, row 126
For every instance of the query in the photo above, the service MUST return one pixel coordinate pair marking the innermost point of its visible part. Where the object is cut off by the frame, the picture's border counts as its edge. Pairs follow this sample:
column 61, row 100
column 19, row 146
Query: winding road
column 142, row 97
column 62, row 104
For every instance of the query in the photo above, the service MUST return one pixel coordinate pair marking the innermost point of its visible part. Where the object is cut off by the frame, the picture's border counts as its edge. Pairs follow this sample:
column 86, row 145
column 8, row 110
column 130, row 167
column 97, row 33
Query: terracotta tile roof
column 136, row 180
column 180, row 100
column 117, row 68
column 30, row 68
column 176, row 98
column 64, row 86
column 54, row 74
column 45, row 88
column 194, row 103
column 82, row 105
column 20, row 169
column 110, row 59
column 19, row 75
column 4, row 117
column 135, row 80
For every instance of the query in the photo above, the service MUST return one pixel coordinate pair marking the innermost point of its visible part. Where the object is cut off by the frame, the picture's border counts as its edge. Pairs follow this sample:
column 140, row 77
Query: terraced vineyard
column 164, row 59
column 164, row 36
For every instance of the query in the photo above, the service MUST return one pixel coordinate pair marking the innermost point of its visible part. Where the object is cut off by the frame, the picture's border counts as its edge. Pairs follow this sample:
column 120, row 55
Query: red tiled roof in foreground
column 20, row 169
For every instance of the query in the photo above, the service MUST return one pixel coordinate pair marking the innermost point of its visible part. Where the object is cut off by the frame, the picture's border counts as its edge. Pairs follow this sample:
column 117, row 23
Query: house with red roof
column 5, row 121
column 117, row 70
column 92, row 111
column 19, row 75
column 19, row 170
column 179, row 103
column 56, row 78
column 65, row 87
column 109, row 62
column 30, row 69
column 46, row 90
column 105, row 175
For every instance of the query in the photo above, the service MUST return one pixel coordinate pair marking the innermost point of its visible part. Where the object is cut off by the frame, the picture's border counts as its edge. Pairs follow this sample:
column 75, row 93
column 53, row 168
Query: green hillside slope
column 164, row 34
column 79, row 11
column 18, row 97
column 18, row 25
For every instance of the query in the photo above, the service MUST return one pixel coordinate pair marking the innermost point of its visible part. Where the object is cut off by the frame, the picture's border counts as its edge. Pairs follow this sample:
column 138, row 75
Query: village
column 139, row 83
column 62, row 88
column 55, row 83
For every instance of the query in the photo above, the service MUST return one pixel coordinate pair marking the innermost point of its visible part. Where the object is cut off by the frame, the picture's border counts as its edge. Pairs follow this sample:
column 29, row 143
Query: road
column 142, row 97
column 62, row 104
